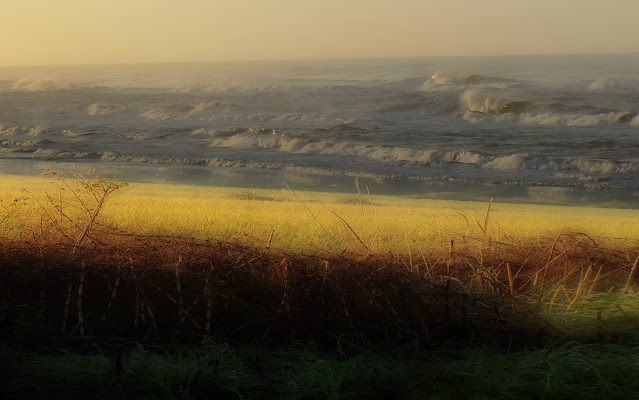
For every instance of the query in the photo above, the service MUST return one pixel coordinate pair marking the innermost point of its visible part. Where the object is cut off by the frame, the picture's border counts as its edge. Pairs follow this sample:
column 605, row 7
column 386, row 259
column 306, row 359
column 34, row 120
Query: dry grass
column 89, row 257
column 324, row 223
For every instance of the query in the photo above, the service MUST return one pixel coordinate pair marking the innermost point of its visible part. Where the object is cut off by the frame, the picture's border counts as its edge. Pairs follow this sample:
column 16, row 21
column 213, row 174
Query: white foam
column 304, row 118
column 13, row 130
column 463, row 157
column 271, row 140
column 103, row 109
column 603, row 166
column 614, row 85
column 71, row 133
column 222, row 162
column 31, row 85
column 38, row 131
column 512, row 162
column 23, row 130
column 475, row 100
column 23, row 143
column 455, row 81
column 51, row 153
column 578, row 177
column 10, row 150
column 577, row 120
column 115, row 156
column 481, row 110
column 202, row 109
column 158, row 115
column 217, row 132
column 601, row 85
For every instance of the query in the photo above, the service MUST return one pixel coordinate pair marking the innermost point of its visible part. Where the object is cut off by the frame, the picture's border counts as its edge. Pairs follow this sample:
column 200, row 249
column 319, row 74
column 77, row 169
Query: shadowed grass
column 302, row 295
column 585, row 371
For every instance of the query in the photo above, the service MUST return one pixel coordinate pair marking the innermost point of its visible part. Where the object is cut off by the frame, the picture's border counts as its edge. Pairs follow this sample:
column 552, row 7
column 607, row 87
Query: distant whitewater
column 536, row 129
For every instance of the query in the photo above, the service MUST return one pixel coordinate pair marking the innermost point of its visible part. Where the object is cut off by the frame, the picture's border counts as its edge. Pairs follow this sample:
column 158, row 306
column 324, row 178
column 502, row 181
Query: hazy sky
column 121, row 31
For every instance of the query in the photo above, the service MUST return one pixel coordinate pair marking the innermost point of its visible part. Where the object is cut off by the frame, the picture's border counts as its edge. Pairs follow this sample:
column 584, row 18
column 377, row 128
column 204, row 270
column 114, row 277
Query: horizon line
column 328, row 59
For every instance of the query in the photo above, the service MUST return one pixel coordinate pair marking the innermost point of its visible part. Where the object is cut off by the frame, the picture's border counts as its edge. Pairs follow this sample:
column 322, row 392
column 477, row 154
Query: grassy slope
column 325, row 224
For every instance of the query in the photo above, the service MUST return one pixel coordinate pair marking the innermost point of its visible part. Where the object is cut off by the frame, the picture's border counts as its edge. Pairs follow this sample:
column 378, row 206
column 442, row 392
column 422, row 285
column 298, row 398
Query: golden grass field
column 352, row 260
column 308, row 223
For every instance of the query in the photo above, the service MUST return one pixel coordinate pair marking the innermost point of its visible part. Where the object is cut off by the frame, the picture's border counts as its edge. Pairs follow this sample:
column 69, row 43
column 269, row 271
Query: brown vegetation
column 178, row 291
column 75, row 277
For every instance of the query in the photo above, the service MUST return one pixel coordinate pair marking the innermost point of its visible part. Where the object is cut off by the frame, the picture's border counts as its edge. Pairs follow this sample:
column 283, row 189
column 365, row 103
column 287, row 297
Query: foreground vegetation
column 223, row 371
column 207, row 294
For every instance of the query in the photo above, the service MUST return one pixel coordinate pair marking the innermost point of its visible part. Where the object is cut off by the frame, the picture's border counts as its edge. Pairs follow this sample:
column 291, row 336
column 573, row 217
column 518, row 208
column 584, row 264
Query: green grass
column 601, row 316
column 224, row 371
column 367, row 297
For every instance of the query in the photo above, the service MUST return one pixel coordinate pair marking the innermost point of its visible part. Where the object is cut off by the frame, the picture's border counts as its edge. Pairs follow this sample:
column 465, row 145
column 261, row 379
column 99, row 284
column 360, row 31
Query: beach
column 541, row 130
column 324, row 200
column 348, row 229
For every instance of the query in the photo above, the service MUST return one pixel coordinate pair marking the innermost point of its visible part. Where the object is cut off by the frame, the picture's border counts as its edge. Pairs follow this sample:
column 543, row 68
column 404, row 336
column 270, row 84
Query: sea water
column 539, row 129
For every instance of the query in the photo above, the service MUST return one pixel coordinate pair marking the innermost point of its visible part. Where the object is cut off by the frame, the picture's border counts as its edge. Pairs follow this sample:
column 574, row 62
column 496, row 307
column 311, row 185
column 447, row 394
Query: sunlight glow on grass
column 313, row 222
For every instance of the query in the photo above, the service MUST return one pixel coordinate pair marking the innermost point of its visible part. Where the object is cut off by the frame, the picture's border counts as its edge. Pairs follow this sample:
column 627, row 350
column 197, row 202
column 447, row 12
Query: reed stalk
column 631, row 276
column 67, row 302
column 178, row 287
column 511, row 281
column 81, row 297
column 208, row 292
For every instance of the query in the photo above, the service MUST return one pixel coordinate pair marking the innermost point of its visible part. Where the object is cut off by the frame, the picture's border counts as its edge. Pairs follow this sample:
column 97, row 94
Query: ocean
column 535, row 129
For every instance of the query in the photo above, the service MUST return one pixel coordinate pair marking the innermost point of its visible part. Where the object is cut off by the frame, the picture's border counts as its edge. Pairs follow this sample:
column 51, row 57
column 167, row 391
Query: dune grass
column 295, row 294
column 313, row 223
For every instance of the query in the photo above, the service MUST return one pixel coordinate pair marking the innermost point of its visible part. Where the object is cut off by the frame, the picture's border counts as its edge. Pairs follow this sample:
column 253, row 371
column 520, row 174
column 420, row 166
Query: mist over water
column 559, row 130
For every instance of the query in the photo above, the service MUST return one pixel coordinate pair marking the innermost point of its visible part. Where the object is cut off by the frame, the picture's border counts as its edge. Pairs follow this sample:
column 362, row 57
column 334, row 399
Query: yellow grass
column 312, row 222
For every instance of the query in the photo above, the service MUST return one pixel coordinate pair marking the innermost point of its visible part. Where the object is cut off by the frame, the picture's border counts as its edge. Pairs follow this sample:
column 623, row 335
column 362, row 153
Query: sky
column 45, row 32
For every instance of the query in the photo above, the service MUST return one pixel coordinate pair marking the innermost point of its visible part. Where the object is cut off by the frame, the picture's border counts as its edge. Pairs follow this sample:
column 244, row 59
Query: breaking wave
column 505, row 107
column 555, row 118
column 44, row 85
column 579, row 120
column 448, row 81
column 272, row 140
column 217, row 132
column 23, row 130
column 614, row 86
column 474, row 100
column 59, row 154
column 158, row 115
column 512, row 162
column 207, row 107
column 103, row 109
column 555, row 127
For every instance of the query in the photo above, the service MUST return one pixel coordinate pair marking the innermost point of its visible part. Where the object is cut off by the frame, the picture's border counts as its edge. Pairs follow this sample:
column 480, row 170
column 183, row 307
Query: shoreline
column 205, row 177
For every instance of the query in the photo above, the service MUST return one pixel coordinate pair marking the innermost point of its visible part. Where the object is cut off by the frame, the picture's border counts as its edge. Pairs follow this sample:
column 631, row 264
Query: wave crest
column 511, row 162
column 452, row 80
column 474, row 100
column 23, row 130
column 100, row 109
column 44, row 85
